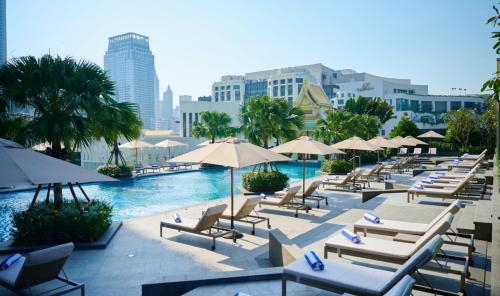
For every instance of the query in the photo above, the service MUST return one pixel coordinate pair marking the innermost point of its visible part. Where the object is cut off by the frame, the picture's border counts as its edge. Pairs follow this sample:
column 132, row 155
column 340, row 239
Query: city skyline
column 195, row 46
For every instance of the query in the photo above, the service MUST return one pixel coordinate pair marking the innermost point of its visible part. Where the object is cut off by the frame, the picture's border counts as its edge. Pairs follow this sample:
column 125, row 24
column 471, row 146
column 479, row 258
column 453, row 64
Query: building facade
column 164, row 116
column 131, row 65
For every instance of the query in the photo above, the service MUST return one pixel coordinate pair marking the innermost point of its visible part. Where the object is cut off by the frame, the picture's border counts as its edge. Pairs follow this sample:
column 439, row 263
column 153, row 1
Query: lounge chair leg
column 213, row 243
column 326, row 200
column 161, row 231
column 326, row 253
column 268, row 223
column 253, row 229
column 283, row 287
column 318, row 204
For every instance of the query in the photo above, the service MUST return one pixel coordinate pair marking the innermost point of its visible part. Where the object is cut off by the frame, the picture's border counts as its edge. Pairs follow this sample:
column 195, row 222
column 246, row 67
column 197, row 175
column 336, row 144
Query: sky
column 444, row 44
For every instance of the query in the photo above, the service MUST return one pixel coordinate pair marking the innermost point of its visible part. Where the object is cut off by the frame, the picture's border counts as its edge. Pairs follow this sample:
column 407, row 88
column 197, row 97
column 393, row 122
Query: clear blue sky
column 443, row 44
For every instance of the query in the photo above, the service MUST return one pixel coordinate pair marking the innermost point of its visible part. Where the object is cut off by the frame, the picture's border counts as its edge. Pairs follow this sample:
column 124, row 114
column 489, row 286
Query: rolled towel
column 439, row 173
column 263, row 196
column 417, row 186
column 177, row 218
column 456, row 161
column 241, row 294
column 435, row 176
column 427, row 181
column 372, row 218
column 285, row 189
column 351, row 236
column 314, row 261
column 9, row 261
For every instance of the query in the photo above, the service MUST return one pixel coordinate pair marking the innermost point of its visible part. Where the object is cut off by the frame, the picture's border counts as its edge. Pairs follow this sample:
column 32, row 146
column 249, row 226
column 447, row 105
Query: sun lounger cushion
column 9, row 276
column 243, row 207
column 392, row 225
column 372, row 245
column 348, row 277
column 188, row 224
column 49, row 254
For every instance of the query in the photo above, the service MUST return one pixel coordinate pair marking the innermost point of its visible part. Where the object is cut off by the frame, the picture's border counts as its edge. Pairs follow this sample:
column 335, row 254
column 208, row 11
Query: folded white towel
column 263, row 196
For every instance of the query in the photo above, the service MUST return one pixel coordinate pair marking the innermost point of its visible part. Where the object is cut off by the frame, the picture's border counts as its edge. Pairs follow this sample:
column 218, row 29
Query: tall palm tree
column 287, row 120
column 65, row 98
column 213, row 125
column 119, row 119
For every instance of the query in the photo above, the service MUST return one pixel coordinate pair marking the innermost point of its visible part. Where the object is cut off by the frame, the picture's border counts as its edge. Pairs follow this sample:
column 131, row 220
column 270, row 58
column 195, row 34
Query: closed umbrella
column 169, row 144
column 136, row 144
column 356, row 144
column 25, row 167
column 305, row 145
column 232, row 153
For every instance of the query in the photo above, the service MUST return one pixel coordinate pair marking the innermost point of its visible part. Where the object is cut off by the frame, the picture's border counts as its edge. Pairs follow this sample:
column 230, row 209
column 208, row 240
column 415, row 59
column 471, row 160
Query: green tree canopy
column 213, row 125
column 375, row 107
column 263, row 118
column 338, row 125
column 68, row 102
column 460, row 126
column 405, row 127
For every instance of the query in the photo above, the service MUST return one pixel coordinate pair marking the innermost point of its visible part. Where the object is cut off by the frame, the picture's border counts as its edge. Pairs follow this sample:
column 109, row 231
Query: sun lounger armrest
column 402, row 288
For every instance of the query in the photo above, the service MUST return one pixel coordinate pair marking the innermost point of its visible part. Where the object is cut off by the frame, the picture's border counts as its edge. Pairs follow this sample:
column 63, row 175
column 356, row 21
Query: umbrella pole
column 168, row 152
column 36, row 195
column 232, row 199
column 303, row 178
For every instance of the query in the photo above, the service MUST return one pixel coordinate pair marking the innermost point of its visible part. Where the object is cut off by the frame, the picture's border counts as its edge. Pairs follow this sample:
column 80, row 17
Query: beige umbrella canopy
column 415, row 141
column 383, row 142
column 207, row 142
column 25, row 167
column 169, row 144
column 232, row 153
column 356, row 144
column 403, row 141
column 136, row 144
column 305, row 145
column 431, row 135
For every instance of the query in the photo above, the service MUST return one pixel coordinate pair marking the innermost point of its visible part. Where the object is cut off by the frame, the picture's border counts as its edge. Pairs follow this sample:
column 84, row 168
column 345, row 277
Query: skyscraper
column 3, row 32
column 164, row 118
column 130, row 64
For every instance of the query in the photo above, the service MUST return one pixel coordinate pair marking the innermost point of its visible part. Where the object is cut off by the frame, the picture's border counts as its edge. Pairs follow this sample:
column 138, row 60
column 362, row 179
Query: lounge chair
column 466, row 164
column 243, row 213
column 473, row 156
column 399, row 252
column 346, row 182
column 417, row 151
column 146, row 166
column 311, row 193
column 342, row 277
column 403, row 151
column 286, row 200
column 167, row 165
column 40, row 267
column 372, row 174
column 204, row 226
column 432, row 151
column 453, row 192
column 394, row 166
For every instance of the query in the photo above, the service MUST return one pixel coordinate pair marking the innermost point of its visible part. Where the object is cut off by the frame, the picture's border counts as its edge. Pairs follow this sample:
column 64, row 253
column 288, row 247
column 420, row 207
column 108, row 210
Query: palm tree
column 66, row 99
column 212, row 125
column 120, row 119
column 287, row 120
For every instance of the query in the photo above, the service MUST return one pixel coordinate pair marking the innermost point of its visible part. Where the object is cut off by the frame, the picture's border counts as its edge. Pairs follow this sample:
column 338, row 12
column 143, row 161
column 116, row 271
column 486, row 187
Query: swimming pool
column 149, row 195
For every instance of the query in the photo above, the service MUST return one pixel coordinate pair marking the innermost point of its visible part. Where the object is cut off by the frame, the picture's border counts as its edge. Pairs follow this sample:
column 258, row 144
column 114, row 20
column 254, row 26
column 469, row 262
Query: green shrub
column 264, row 181
column 333, row 166
column 116, row 171
column 45, row 224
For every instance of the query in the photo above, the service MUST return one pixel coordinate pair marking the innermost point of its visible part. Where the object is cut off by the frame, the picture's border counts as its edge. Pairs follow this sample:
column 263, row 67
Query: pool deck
column 137, row 255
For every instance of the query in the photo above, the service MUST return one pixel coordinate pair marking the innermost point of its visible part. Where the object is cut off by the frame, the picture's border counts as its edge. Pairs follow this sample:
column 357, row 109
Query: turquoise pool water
column 148, row 195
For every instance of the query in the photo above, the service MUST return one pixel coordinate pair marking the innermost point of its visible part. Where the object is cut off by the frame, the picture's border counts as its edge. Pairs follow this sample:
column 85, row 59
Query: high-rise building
column 131, row 65
column 185, row 98
column 164, row 117
column 3, row 32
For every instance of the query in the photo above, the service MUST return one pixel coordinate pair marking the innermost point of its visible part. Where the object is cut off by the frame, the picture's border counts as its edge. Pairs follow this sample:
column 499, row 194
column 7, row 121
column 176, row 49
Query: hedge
column 264, row 181
column 116, row 171
column 333, row 166
column 44, row 223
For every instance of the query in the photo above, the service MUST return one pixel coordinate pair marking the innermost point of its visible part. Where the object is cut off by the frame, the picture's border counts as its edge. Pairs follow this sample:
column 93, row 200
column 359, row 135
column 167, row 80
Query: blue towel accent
column 177, row 218
column 435, row 176
column 263, row 196
column 418, row 186
column 241, row 294
column 427, row 181
column 9, row 261
column 372, row 218
column 351, row 236
column 314, row 261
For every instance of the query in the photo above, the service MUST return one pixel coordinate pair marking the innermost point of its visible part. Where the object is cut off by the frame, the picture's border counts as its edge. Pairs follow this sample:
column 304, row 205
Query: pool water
column 149, row 195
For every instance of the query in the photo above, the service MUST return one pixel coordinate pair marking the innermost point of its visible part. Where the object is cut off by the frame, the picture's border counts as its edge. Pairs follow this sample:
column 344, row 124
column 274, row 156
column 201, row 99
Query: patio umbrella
column 25, row 167
column 305, row 145
column 169, row 144
column 382, row 143
column 207, row 142
column 356, row 144
column 416, row 141
column 431, row 135
column 232, row 153
column 403, row 141
column 136, row 144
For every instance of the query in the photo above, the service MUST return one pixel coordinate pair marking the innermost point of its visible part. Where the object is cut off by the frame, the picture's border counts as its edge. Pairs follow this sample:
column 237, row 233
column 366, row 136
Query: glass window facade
column 282, row 90
column 290, row 100
column 222, row 96
column 290, row 80
column 275, row 91
column 299, row 80
column 440, row 107
column 184, row 124
column 237, row 95
column 228, row 96
column 469, row 105
column 426, row 106
column 455, row 105
column 255, row 88
column 340, row 102
column 275, row 82
column 216, row 96
column 236, row 87
column 299, row 87
column 290, row 89
column 415, row 105
column 282, row 81
column 402, row 105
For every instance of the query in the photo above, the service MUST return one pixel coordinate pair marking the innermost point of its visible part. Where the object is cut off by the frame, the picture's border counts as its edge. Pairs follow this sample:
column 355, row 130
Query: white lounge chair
column 286, row 200
column 243, row 213
column 311, row 193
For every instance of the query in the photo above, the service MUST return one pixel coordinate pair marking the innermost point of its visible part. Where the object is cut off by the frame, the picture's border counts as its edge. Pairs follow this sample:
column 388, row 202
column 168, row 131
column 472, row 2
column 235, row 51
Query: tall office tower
column 131, row 65
column 164, row 118
column 3, row 32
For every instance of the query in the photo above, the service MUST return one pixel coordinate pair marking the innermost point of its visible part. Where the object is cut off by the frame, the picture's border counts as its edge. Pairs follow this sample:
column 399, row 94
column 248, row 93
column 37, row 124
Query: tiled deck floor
column 138, row 255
